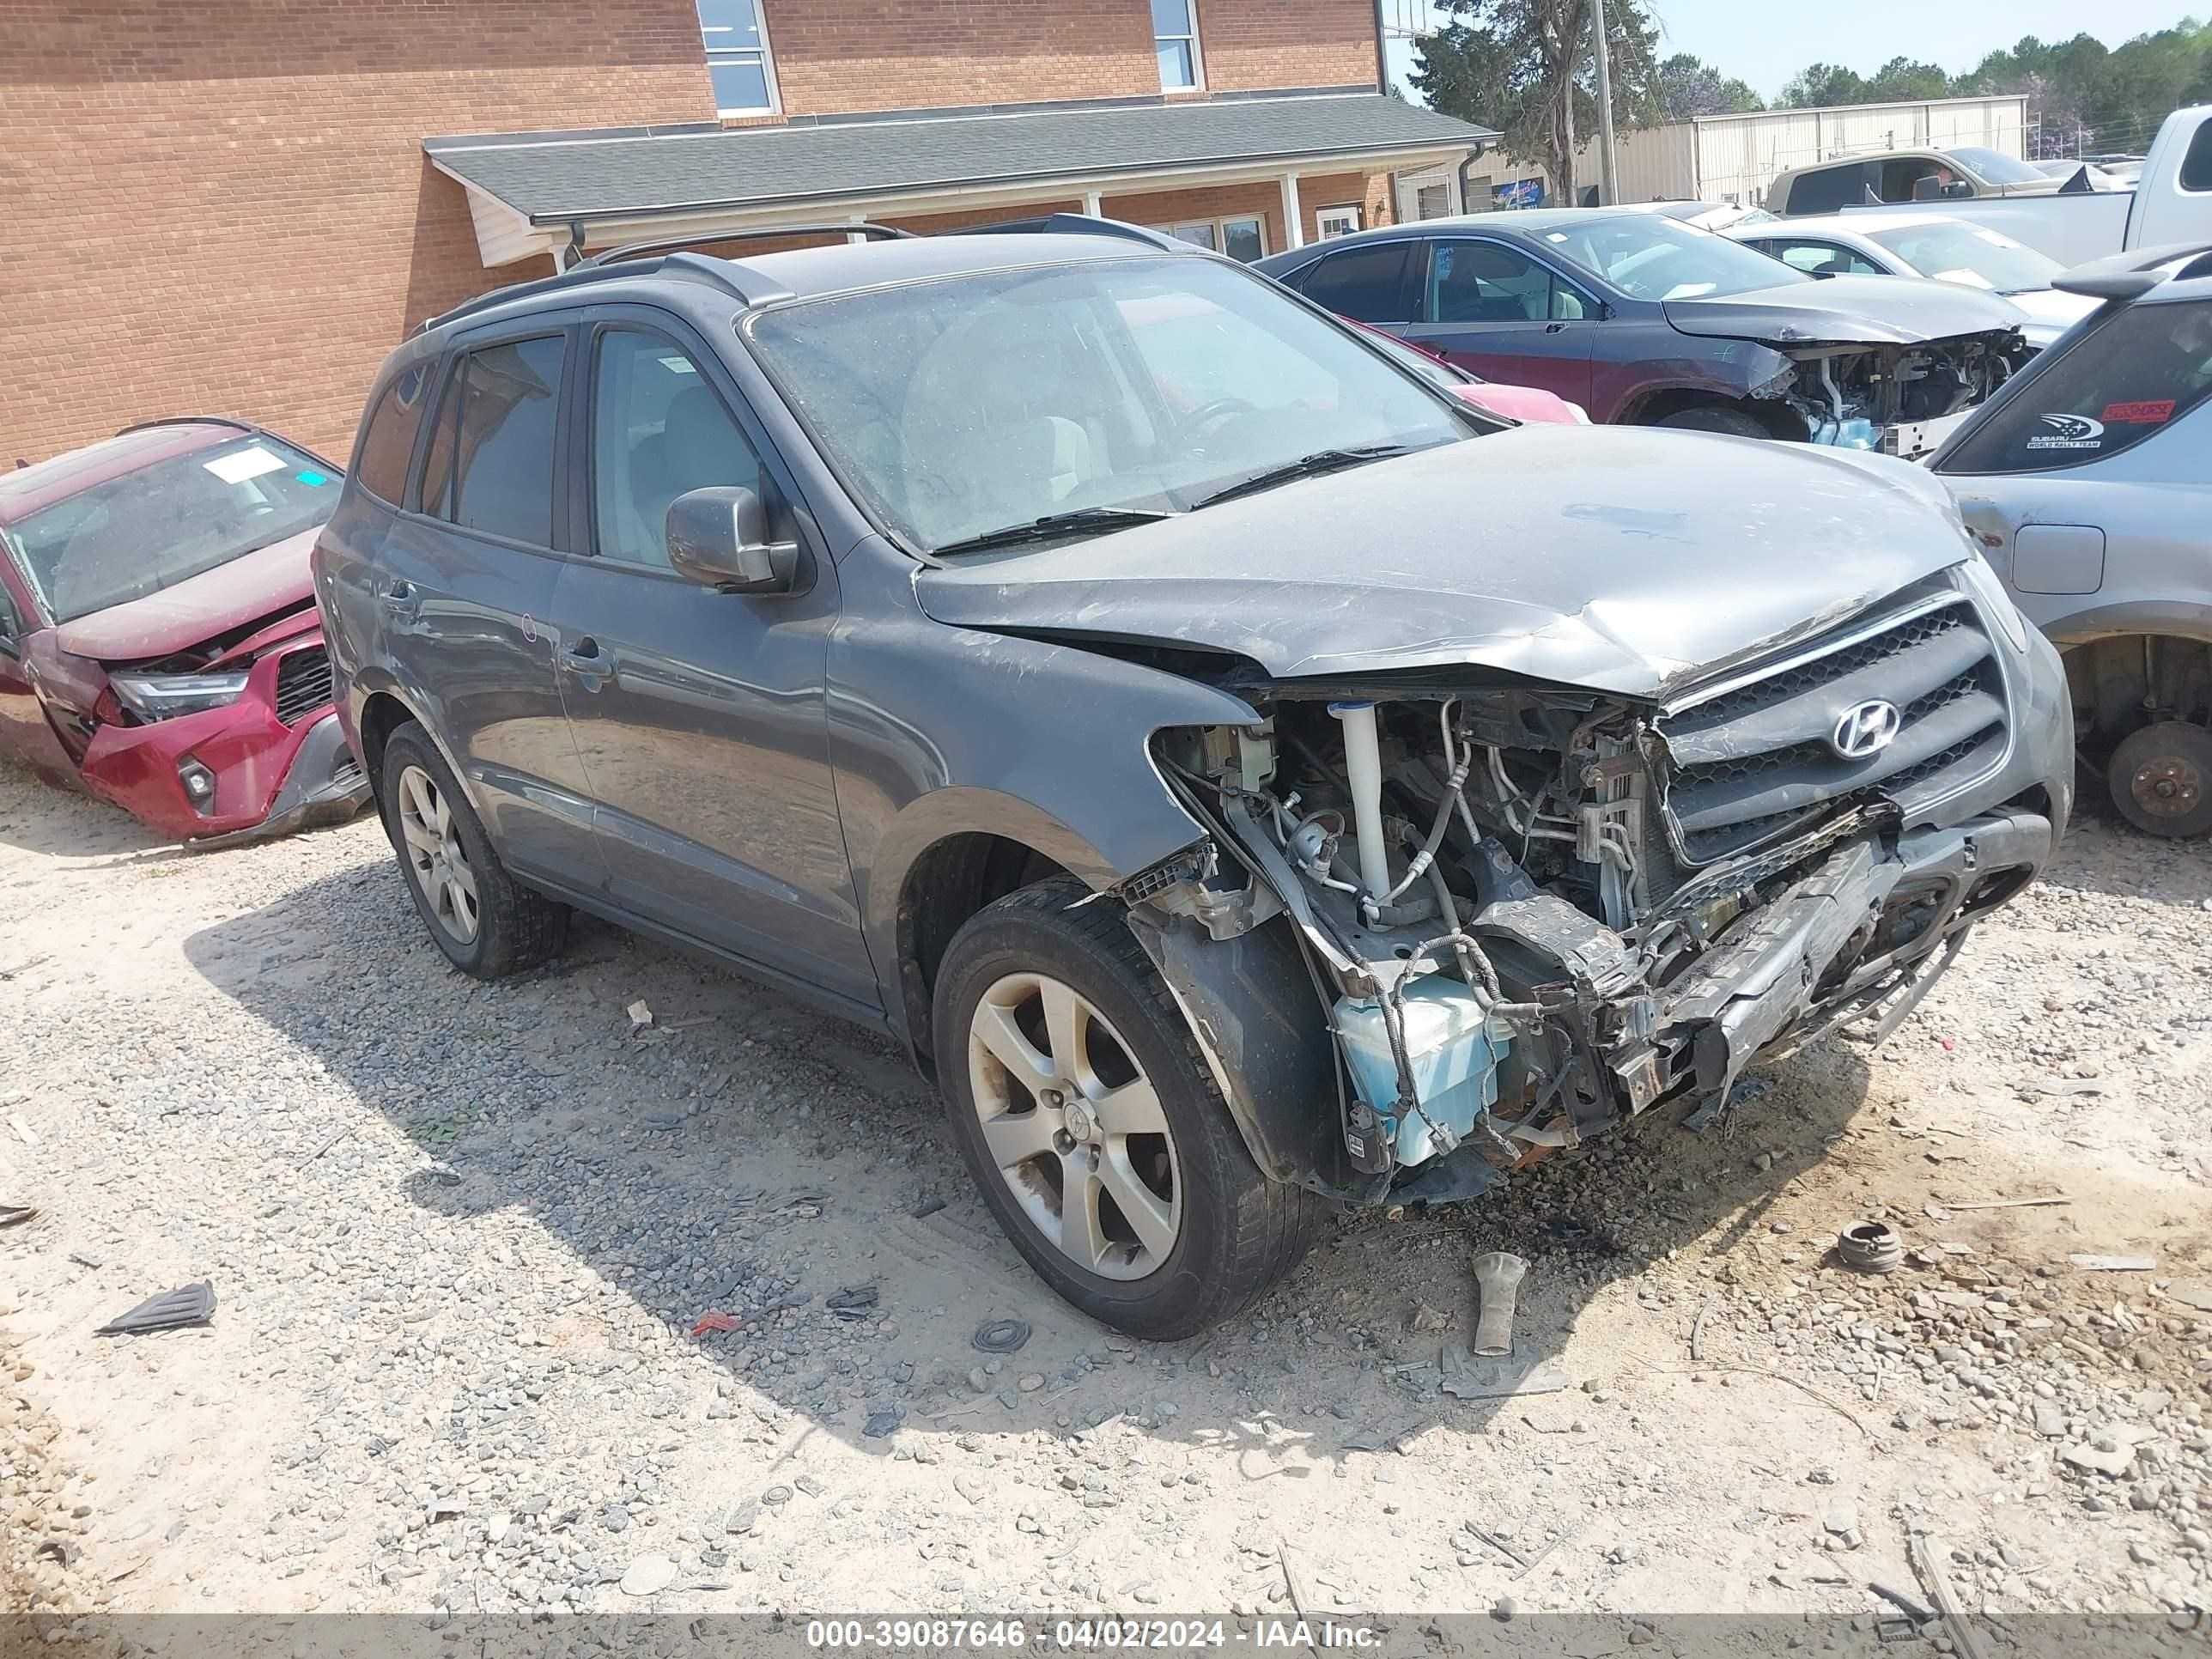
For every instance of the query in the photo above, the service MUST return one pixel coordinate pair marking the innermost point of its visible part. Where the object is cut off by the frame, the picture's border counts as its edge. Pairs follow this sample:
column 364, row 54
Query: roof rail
column 187, row 420
column 1083, row 224
column 674, row 243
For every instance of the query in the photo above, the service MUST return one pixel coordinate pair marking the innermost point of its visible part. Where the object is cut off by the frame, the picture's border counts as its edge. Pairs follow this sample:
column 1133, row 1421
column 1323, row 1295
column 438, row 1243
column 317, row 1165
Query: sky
column 1766, row 43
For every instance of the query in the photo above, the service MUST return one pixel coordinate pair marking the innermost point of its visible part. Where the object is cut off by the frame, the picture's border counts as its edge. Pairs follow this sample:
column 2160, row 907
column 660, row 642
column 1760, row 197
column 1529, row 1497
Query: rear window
column 2196, row 166
column 499, row 455
column 2125, row 380
column 1368, row 283
column 389, row 443
column 1828, row 190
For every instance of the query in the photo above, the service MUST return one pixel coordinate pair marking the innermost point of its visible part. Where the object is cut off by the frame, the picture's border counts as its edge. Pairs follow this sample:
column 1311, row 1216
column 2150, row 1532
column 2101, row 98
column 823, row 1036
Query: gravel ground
column 460, row 1237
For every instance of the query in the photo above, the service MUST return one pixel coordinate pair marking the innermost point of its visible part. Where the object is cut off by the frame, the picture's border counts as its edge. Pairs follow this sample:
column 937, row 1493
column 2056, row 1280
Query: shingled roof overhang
column 547, row 183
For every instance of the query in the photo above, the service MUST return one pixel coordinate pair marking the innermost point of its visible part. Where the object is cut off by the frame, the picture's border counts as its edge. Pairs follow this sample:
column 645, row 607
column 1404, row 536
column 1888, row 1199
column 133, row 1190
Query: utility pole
column 1608, row 186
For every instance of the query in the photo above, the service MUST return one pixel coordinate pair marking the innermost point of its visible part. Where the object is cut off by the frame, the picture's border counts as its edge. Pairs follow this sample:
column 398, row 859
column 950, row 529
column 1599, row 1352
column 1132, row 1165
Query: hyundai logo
column 1865, row 729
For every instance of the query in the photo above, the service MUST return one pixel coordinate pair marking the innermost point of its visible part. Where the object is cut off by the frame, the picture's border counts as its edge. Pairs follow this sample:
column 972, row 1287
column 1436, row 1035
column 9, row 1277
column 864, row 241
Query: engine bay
column 1506, row 942
column 1848, row 396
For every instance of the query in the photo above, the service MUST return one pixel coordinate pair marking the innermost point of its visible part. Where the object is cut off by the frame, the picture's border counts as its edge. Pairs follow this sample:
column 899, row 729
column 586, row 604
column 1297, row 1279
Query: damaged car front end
column 1485, row 894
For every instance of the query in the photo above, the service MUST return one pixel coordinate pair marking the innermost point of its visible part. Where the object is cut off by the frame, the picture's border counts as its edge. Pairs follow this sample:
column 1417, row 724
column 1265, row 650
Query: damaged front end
column 1445, row 923
column 1900, row 400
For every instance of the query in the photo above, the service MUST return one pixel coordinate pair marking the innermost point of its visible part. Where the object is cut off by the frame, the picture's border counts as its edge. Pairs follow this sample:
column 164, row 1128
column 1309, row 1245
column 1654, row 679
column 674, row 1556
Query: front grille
column 303, row 683
column 1755, row 762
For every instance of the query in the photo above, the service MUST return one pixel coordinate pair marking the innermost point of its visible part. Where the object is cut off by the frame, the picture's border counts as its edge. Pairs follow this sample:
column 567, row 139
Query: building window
column 1244, row 236
column 737, row 60
column 1175, row 37
column 1336, row 222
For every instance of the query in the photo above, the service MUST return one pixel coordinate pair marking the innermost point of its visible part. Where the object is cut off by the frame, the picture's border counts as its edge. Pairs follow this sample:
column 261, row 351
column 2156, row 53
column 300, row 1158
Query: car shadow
column 2103, row 854
column 39, row 816
column 745, row 1155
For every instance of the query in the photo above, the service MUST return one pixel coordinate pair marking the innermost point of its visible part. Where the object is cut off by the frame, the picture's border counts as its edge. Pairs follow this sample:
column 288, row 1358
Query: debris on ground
column 1498, row 1274
column 172, row 1310
column 1870, row 1247
column 1000, row 1336
column 714, row 1321
column 641, row 1015
column 854, row 1302
column 2113, row 1264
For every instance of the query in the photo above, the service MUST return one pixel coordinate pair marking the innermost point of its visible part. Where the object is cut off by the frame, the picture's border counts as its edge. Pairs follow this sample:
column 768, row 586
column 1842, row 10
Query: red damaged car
column 159, row 641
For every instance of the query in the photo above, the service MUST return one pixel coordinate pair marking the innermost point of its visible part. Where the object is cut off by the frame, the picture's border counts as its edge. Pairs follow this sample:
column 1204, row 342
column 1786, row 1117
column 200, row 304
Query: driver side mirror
column 1958, row 189
column 717, row 538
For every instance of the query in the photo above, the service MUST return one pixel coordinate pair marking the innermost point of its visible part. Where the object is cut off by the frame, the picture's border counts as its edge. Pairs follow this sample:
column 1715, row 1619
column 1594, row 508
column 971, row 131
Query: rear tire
column 2161, row 779
column 1069, row 999
column 1711, row 417
column 488, row 924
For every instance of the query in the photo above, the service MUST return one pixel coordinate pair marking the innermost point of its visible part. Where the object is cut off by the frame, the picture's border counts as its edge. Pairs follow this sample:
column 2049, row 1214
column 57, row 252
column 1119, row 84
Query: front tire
column 1711, row 417
column 488, row 924
column 1091, row 1123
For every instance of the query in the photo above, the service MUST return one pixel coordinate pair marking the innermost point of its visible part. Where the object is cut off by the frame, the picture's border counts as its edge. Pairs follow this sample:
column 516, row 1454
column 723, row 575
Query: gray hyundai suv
column 1241, row 774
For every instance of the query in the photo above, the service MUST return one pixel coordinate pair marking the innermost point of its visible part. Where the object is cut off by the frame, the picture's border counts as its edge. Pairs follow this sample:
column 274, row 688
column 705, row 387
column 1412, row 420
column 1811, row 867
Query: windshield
column 1955, row 253
column 175, row 519
column 1651, row 256
column 1998, row 169
column 962, row 406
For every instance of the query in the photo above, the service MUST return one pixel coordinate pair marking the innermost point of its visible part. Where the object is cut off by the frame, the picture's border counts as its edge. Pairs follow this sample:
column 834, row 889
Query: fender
column 380, row 682
column 2174, row 618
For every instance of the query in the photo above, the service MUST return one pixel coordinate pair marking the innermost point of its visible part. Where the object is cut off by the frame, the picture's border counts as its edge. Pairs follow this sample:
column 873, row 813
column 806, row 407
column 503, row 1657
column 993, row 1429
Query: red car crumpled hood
column 268, row 580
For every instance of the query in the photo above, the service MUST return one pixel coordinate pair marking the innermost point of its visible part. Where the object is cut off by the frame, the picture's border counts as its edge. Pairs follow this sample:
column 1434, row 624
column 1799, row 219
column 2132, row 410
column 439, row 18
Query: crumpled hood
column 268, row 580
column 1613, row 558
column 1855, row 310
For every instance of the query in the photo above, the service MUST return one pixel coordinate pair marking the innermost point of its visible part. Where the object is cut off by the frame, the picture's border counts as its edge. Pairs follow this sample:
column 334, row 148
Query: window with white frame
column 1336, row 222
column 737, row 60
column 1241, row 236
column 1175, row 37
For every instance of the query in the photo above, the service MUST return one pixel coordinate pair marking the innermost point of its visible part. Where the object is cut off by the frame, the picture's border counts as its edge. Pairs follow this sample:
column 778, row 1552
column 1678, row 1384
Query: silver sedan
column 2088, row 481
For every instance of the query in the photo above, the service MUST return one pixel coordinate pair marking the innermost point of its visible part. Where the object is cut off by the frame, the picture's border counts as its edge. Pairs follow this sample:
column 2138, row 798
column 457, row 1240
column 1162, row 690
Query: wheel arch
column 380, row 707
column 1655, row 403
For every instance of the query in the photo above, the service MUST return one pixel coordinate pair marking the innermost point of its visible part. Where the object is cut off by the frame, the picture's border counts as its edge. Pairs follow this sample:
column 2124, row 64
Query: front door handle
column 399, row 594
column 586, row 657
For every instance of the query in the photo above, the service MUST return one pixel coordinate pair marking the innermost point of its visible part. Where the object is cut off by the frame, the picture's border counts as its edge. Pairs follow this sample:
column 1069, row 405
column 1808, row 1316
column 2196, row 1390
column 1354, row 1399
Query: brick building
column 239, row 209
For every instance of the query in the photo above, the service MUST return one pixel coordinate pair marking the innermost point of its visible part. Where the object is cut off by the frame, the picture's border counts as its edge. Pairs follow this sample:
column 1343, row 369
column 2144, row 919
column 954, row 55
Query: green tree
column 1526, row 68
column 1901, row 79
column 1822, row 84
column 1686, row 86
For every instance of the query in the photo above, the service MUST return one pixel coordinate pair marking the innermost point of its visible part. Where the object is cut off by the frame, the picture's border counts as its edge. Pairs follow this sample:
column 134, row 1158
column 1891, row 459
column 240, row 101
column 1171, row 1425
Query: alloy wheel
column 1073, row 1126
column 436, row 855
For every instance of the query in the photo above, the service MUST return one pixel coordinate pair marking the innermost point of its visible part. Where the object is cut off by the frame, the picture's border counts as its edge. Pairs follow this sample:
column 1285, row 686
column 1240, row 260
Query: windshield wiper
column 1306, row 466
column 1080, row 521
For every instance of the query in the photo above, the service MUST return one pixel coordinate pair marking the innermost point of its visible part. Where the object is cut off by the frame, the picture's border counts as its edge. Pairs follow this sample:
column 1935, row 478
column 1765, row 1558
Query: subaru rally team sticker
column 2069, row 432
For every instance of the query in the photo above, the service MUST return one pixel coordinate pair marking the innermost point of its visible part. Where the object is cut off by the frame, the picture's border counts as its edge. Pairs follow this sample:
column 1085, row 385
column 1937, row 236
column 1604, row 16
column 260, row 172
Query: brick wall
column 836, row 55
column 225, row 209
column 1251, row 43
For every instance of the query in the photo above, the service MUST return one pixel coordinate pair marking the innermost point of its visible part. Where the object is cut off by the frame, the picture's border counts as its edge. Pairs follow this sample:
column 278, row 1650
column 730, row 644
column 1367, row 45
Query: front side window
column 1175, row 37
column 389, row 443
column 658, row 431
column 1483, row 283
column 1651, row 257
column 957, row 407
column 737, row 60
column 496, row 443
column 169, row 521
column 2124, row 381
column 1365, row 283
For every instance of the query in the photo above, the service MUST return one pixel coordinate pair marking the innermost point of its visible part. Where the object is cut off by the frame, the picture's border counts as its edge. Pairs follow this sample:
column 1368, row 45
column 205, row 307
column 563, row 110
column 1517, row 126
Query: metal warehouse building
column 1733, row 158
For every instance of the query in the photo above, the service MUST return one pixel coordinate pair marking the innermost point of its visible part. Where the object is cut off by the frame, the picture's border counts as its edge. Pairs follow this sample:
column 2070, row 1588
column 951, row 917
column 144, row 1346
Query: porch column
column 1092, row 204
column 1294, row 230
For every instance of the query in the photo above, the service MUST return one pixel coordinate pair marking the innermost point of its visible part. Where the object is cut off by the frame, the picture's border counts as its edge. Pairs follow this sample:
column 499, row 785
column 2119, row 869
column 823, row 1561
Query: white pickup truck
column 2171, row 203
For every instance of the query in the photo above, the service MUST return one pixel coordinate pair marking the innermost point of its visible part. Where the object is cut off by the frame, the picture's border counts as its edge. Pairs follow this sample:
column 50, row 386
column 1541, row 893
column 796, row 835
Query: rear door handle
column 585, row 657
column 399, row 595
